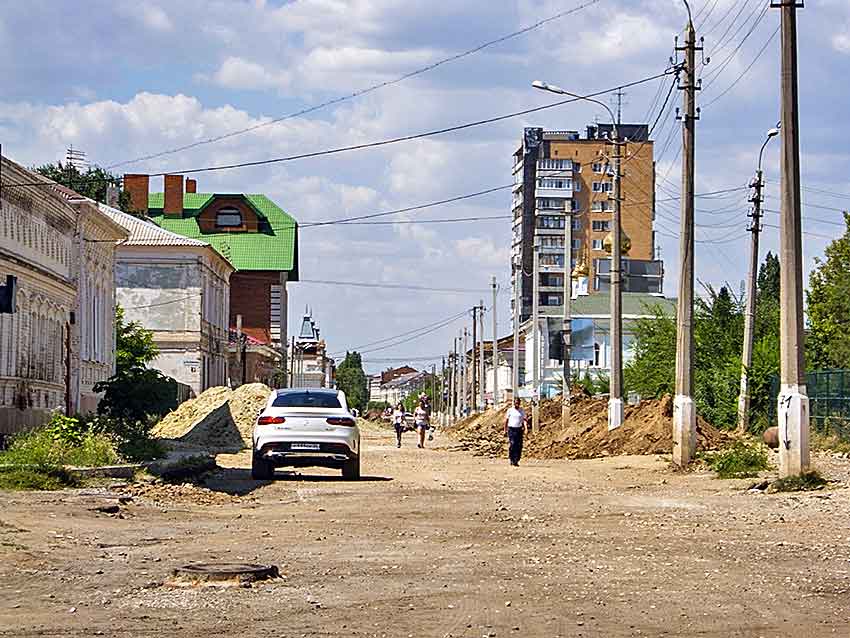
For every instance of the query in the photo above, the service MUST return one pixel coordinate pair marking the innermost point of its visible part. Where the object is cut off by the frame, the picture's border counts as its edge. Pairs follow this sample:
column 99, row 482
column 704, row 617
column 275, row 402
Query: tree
column 829, row 305
column 134, row 346
column 651, row 370
column 351, row 379
column 92, row 183
column 767, row 297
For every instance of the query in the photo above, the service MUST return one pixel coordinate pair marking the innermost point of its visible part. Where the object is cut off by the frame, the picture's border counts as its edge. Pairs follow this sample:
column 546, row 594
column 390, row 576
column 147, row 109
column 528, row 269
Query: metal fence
column 829, row 401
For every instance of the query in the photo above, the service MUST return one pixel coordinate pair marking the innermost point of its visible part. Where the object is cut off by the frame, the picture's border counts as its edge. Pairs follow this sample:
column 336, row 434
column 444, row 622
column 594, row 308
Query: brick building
column 255, row 235
column 558, row 174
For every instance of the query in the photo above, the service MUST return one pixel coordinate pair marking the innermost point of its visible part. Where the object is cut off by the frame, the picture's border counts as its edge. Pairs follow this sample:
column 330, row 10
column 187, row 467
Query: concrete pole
column 482, row 379
column 474, row 387
column 453, row 389
column 750, row 311
column 443, row 392
column 495, row 350
column 284, row 324
column 615, row 400
column 517, row 303
column 567, row 329
column 239, row 353
column 684, row 412
column 793, row 408
column 464, row 375
column 535, row 331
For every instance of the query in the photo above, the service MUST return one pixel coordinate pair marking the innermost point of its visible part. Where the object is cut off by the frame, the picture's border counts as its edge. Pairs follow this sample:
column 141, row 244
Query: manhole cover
column 222, row 574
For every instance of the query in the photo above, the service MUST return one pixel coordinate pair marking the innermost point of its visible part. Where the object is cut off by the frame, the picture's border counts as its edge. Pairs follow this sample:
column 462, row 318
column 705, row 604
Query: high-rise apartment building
column 560, row 175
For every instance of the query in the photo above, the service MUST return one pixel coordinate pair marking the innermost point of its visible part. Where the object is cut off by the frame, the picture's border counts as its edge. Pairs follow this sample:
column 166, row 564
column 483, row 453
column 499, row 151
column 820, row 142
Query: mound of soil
column 647, row 429
column 218, row 420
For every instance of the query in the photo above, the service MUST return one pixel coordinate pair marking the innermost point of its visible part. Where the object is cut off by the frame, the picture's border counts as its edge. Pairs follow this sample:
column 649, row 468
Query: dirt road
column 437, row 543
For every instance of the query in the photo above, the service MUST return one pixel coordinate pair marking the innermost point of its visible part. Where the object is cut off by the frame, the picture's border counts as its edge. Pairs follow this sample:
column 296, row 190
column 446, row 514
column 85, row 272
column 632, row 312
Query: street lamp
column 750, row 312
column 615, row 401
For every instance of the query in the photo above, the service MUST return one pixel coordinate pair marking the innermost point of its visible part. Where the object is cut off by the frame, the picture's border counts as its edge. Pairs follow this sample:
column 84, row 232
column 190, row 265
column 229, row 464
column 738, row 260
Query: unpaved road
column 438, row 543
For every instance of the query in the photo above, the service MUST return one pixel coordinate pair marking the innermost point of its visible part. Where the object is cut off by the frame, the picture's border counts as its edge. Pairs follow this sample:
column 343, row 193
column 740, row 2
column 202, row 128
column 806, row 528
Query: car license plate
column 311, row 447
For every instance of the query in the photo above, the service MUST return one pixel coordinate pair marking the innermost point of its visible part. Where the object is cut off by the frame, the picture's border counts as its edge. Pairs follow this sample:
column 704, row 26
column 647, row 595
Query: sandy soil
column 438, row 543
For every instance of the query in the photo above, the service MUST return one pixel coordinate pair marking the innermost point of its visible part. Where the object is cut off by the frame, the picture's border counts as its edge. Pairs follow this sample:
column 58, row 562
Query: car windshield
column 307, row 400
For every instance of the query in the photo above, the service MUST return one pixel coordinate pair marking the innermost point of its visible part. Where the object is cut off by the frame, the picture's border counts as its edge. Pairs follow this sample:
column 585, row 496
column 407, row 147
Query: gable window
column 228, row 217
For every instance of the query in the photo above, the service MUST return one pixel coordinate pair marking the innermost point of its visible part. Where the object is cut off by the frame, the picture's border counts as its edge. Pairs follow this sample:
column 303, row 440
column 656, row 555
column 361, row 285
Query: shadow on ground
column 238, row 481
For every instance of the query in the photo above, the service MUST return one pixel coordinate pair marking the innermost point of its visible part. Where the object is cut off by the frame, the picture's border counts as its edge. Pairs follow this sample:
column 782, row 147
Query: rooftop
column 146, row 233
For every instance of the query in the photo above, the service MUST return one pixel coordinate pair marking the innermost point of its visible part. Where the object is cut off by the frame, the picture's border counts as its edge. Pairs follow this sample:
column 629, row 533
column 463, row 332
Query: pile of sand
column 218, row 420
column 647, row 429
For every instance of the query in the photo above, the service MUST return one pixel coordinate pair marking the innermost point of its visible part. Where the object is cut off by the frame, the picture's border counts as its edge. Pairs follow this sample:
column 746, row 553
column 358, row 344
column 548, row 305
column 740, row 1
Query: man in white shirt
column 515, row 425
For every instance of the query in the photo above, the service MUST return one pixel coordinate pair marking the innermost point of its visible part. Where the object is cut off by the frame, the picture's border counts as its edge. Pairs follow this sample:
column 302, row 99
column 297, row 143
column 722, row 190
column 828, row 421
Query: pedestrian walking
column 398, row 422
column 516, row 423
column 422, row 420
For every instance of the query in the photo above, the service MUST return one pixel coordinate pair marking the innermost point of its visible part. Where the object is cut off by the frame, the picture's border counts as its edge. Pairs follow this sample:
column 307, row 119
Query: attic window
column 228, row 217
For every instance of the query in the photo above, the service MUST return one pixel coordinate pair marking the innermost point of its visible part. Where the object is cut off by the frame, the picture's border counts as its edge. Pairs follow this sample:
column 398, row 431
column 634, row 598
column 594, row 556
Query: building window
column 556, row 259
column 577, row 186
column 556, row 184
column 596, row 187
column 552, row 241
column 577, row 167
column 601, row 207
column 554, row 164
column 552, row 300
column 601, row 226
column 546, row 203
column 597, row 167
column 607, row 187
column 576, row 244
column 550, row 221
column 575, row 206
column 576, row 224
column 597, row 244
column 228, row 217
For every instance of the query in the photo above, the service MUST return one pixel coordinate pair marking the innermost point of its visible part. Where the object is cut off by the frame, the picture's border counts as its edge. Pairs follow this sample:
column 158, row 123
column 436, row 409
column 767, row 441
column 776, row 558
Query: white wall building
column 59, row 342
column 178, row 288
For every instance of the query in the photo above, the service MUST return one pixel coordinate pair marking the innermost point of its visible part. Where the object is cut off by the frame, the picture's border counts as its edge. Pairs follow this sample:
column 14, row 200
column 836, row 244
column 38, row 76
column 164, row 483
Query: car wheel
column 351, row 469
column 261, row 470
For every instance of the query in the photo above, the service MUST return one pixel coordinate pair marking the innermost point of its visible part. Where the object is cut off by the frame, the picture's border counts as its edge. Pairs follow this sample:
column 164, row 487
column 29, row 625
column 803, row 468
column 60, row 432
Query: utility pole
column 615, row 397
column 474, row 388
column 464, row 375
column 750, row 312
column 567, row 328
column 495, row 350
column 684, row 411
column 793, row 402
column 443, row 392
column 515, row 353
column 482, row 379
column 240, row 354
column 453, row 382
column 535, row 317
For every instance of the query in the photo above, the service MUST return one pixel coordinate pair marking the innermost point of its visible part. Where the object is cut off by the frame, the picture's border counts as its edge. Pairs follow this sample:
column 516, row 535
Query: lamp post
column 615, row 401
column 750, row 312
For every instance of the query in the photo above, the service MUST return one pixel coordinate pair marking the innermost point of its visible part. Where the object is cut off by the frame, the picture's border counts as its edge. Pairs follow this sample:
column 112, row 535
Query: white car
column 306, row 427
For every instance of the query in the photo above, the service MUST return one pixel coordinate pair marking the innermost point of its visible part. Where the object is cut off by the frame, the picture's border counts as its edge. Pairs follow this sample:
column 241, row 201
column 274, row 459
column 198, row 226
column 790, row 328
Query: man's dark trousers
column 514, row 444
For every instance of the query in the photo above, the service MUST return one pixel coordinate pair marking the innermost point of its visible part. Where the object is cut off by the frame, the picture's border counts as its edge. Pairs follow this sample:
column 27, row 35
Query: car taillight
column 341, row 420
column 270, row 420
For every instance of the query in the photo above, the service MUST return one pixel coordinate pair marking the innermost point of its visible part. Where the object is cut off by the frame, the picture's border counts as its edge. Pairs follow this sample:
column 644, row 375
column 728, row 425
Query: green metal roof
column 273, row 248
column 634, row 303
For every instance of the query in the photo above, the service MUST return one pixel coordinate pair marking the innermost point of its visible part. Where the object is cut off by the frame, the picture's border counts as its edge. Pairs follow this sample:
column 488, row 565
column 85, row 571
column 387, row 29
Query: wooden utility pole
column 750, row 311
column 793, row 402
column 567, row 327
column 615, row 400
column 482, row 379
column 495, row 349
column 684, row 411
column 535, row 331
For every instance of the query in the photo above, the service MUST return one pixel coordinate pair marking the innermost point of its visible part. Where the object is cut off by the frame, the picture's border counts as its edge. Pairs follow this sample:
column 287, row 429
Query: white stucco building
column 59, row 342
column 179, row 289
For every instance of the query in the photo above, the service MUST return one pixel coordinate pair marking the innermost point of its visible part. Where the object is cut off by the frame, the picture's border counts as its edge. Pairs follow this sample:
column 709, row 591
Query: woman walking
column 398, row 422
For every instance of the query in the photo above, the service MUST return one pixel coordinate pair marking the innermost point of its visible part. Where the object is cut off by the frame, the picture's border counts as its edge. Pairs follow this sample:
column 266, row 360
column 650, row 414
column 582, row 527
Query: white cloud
column 238, row 73
column 841, row 42
column 156, row 18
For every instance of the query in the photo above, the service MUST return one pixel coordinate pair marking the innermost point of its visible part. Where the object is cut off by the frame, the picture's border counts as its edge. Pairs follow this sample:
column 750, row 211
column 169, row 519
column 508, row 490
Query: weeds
column 41, row 449
column 801, row 483
column 740, row 460
column 829, row 443
column 18, row 478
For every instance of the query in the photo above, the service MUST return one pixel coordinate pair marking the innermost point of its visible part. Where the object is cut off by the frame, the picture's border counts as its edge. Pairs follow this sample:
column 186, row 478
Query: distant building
column 311, row 365
column 58, row 248
column 253, row 233
column 178, row 288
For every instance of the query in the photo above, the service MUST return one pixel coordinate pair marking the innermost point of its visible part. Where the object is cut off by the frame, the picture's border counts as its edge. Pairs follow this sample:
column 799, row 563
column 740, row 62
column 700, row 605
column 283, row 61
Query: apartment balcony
column 559, row 193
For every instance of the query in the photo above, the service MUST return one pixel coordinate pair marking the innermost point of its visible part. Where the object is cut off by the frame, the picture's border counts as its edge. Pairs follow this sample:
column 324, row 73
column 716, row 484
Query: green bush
column 136, row 395
column 801, row 483
column 132, row 438
column 740, row 460
column 17, row 478
column 41, row 449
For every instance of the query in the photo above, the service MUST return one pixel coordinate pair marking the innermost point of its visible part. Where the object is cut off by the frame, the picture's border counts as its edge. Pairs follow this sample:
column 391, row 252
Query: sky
column 126, row 79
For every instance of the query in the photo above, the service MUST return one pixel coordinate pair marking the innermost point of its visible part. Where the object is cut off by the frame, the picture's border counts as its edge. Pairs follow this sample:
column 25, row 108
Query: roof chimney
column 137, row 187
column 191, row 185
column 173, row 204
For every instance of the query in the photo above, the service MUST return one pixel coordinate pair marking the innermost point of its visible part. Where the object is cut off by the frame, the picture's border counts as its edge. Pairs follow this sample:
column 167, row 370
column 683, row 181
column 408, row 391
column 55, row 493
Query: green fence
column 829, row 401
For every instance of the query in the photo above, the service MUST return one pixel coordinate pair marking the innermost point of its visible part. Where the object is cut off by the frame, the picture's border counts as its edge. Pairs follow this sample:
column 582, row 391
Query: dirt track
column 438, row 543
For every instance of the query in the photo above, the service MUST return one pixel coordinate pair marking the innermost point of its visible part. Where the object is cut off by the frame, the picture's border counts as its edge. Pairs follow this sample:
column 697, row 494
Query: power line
column 386, row 142
column 364, row 91
column 404, row 334
column 358, row 284
column 745, row 71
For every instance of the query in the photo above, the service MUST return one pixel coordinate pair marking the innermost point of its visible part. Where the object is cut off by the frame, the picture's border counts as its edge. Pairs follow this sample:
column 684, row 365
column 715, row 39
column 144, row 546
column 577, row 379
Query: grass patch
column 805, row 482
column 141, row 449
column 829, row 443
column 187, row 468
column 18, row 478
column 740, row 460
column 41, row 449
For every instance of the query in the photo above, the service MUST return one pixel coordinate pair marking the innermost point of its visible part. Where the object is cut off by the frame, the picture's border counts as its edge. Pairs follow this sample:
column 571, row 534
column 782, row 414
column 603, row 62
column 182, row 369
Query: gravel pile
column 187, row 493
column 218, row 420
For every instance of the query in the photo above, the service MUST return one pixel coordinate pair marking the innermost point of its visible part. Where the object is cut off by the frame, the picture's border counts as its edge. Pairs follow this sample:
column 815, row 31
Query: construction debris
column 647, row 429
column 218, row 420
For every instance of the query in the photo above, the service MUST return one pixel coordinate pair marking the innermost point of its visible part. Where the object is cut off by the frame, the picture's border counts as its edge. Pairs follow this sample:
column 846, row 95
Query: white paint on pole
column 684, row 429
column 615, row 413
column 793, row 414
